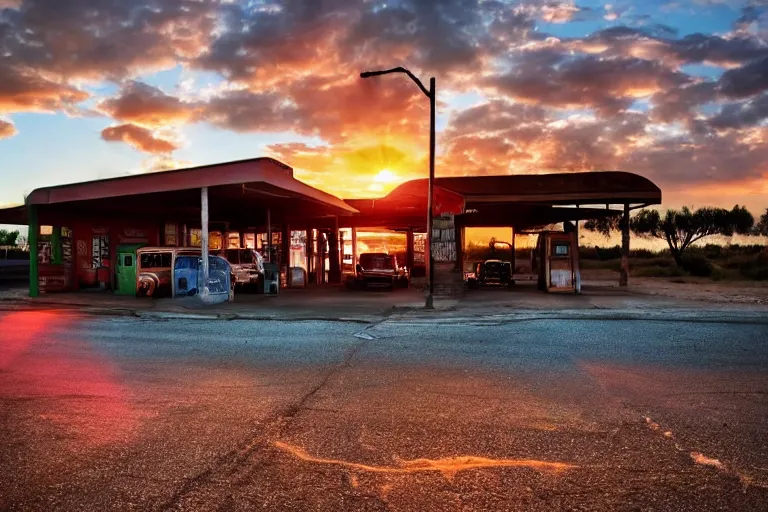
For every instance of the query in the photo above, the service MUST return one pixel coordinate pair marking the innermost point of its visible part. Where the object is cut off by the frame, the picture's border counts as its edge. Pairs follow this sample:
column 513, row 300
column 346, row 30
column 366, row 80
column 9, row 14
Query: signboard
column 171, row 234
column 444, row 239
column 419, row 248
column 100, row 251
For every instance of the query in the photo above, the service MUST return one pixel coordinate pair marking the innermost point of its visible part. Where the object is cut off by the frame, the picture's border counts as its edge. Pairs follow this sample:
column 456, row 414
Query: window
column 560, row 250
column 156, row 260
column 128, row 260
column 216, row 263
column 377, row 261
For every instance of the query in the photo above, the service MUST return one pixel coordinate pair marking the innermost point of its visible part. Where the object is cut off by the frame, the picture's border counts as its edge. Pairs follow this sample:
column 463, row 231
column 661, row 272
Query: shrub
column 608, row 253
column 697, row 265
column 642, row 254
column 757, row 268
column 657, row 271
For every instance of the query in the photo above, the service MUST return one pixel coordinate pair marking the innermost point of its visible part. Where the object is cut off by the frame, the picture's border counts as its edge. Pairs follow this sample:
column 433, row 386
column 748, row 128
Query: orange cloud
column 7, row 129
column 138, row 137
column 24, row 90
column 147, row 106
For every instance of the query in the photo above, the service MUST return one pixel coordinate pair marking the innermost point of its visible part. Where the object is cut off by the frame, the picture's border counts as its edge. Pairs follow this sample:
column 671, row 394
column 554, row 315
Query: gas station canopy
column 521, row 201
column 242, row 190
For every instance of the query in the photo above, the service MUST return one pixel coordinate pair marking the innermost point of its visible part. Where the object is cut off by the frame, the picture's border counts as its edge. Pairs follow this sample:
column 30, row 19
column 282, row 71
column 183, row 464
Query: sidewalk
column 523, row 301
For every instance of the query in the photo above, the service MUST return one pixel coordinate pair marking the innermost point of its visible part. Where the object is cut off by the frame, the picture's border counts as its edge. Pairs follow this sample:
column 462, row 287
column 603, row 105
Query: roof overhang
column 524, row 201
column 235, row 188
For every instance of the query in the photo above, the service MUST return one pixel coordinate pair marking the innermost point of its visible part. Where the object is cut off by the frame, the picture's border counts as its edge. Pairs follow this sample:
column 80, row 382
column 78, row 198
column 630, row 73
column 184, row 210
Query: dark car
column 380, row 270
column 490, row 272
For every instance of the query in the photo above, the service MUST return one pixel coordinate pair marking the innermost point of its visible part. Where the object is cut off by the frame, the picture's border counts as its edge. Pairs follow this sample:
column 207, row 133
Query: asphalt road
column 107, row 413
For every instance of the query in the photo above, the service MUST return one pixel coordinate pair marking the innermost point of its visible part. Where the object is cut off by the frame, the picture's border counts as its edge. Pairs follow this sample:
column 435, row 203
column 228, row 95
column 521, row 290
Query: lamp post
column 429, row 93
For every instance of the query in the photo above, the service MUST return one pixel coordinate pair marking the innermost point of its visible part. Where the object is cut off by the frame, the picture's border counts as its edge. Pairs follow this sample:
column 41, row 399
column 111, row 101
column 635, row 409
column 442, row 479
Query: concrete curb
column 440, row 315
column 676, row 315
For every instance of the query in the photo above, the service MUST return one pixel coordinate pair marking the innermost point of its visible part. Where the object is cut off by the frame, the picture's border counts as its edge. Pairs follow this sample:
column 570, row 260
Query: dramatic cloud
column 28, row 91
column 691, row 49
column 747, row 80
column 7, row 129
column 680, row 103
column 700, row 158
column 521, row 86
column 145, row 105
column 104, row 38
column 244, row 111
column 138, row 137
column 549, row 77
column 742, row 114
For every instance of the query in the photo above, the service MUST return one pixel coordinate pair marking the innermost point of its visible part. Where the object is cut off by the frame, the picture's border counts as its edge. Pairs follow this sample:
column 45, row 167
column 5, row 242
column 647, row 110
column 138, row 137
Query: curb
column 442, row 316
column 693, row 316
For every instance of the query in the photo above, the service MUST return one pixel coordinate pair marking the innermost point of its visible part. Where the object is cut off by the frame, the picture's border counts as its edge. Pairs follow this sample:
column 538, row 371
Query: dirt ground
column 691, row 288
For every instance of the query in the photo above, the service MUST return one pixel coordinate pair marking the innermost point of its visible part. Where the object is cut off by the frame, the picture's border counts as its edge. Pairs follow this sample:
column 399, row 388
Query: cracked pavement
column 101, row 413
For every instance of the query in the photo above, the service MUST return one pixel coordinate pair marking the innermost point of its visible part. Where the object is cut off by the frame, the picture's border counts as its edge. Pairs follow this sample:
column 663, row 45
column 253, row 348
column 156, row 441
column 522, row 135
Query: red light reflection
column 43, row 356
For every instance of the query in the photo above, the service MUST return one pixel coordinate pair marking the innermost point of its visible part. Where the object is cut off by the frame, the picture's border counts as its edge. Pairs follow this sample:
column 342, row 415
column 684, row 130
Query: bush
column 697, row 265
column 658, row 262
column 657, row 271
column 757, row 268
column 608, row 253
column 642, row 254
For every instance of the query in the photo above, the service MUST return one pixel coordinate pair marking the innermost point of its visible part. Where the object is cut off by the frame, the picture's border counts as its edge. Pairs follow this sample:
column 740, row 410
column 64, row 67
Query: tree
column 605, row 226
column 681, row 228
column 762, row 226
column 8, row 237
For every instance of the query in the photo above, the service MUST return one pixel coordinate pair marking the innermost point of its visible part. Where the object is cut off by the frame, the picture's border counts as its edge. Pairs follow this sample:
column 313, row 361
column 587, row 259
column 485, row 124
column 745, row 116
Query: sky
column 674, row 90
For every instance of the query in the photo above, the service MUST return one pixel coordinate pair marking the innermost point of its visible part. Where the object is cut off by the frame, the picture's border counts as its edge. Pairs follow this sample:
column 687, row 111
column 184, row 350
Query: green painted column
column 56, row 245
column 32, row 236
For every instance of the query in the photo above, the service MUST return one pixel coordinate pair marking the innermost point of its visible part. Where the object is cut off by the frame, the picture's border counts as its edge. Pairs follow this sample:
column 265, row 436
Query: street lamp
column 429, row 93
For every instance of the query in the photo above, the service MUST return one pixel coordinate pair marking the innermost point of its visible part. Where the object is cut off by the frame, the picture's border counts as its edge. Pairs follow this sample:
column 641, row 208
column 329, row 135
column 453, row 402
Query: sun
column 385, row 176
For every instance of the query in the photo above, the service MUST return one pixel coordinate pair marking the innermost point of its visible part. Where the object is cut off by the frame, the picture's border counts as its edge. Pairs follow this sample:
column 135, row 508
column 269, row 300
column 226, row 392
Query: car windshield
column 238, row 256
column 247, row 256
column 376, row 261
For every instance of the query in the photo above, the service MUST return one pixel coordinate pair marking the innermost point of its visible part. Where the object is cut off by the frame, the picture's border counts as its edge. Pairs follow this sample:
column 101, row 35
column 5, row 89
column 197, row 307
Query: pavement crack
column 292, row 411
column 232, row 462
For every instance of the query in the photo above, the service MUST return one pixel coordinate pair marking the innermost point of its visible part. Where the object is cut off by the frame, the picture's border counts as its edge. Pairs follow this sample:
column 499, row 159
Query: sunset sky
column 671, row 89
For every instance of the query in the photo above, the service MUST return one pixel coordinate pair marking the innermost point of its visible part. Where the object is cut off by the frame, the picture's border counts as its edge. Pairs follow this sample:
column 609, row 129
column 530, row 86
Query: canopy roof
column 240, row 188
column 523, row 201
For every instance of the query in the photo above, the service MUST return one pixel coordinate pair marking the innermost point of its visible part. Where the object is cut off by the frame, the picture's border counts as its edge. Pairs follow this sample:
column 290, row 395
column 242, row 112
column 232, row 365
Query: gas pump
column 557, row 259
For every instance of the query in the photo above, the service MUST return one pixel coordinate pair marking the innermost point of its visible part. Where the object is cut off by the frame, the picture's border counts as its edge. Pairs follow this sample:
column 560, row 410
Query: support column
column 409, row 258
column 624, row 278
column 459, row 237
column 204, row 239
column 285, row 247
column 334, row 267
column 576, row 262
column 354, row 249
column 32, row 236
column 269, row 235
column 308, row 253
column 514, row 254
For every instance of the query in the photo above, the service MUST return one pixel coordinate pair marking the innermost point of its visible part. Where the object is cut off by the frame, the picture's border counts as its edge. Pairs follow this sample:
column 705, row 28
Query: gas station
column 77, row 231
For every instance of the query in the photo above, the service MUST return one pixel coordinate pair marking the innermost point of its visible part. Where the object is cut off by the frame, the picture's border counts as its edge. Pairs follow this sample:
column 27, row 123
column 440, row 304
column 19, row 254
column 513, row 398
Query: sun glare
column 385, row 176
